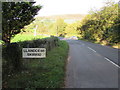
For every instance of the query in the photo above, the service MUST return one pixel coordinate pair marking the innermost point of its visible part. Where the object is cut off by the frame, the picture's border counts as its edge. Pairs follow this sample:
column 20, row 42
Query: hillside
column 66, row 16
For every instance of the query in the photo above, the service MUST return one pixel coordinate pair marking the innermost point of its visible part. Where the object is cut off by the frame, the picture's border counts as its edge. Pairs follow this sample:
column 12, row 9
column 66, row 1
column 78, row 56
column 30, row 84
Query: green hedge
column 12, row 53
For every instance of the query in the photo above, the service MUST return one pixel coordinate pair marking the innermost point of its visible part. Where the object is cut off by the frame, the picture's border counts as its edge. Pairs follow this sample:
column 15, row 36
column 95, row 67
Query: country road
column 91, row 66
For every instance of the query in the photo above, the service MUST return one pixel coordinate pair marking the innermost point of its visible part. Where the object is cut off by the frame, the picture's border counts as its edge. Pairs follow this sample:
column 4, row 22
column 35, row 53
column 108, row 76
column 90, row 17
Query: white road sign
column 34, row 52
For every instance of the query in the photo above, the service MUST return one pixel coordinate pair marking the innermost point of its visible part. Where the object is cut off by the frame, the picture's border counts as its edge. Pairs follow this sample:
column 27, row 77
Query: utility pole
column 35, row 30
column 57, row 31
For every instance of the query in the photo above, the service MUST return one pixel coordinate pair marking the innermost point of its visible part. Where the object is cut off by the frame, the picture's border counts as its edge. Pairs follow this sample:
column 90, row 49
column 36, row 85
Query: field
column 26, row 36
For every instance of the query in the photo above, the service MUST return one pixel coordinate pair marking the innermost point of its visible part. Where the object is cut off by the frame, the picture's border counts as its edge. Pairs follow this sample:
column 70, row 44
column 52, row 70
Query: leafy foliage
column 40, row 73
column 60, row 27
column 102, row 25
column 71, row 29
column 15, row 16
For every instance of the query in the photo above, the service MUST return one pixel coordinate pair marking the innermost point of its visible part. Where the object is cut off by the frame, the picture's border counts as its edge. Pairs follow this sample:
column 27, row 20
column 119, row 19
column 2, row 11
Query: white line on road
column 112, row 62
column 92, row 49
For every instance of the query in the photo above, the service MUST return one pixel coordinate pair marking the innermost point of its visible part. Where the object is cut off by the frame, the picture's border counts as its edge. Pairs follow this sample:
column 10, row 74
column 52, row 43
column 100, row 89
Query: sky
column 60, row 7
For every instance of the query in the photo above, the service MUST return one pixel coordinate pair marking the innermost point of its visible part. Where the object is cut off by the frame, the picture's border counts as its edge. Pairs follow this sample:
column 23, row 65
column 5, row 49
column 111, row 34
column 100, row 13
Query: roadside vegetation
column 41, row 73
column 102, row 26
column 21, row 31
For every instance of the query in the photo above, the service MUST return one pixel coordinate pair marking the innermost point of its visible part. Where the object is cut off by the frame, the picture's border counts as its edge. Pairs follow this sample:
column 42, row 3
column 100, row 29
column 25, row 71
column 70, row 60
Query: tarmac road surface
column 91, row 66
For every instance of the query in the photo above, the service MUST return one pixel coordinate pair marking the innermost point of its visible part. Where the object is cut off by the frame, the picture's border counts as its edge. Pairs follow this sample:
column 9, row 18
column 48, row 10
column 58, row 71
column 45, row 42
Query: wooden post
column 35, row 30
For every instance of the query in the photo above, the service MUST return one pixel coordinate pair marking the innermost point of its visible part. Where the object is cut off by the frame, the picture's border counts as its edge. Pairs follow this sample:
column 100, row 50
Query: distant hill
column 66, row 16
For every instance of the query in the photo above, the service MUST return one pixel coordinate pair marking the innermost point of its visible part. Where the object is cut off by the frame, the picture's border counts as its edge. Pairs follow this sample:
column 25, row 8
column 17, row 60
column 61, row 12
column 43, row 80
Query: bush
column 12, row 53
column 47, row 43
column 46, row 73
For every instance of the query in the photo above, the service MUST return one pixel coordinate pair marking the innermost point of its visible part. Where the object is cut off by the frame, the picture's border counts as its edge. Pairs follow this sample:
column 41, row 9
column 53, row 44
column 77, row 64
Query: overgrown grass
column 42, row 73
column 26, row 36
column 103, row 43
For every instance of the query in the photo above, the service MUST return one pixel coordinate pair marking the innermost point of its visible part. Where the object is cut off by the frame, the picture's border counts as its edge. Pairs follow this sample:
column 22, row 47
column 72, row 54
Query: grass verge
column 104, row 44
column 42, row 73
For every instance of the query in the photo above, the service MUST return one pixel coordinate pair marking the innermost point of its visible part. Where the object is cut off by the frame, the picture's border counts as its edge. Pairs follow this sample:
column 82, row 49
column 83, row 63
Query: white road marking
column 106, row 58
column 92, row 49
column 112, row 62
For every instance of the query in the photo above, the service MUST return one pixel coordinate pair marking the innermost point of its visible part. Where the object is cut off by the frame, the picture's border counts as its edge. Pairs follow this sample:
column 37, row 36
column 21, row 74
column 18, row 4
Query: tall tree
column 60, row 27
column 102, row 25
column 71, row 29
column 16, row 15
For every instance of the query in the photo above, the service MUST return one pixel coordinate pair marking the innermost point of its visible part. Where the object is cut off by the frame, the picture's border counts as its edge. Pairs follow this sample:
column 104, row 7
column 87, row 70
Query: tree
column 42, row 28
column 71, row 29
column 16, row 15
column 60, row 27
column 102, row 25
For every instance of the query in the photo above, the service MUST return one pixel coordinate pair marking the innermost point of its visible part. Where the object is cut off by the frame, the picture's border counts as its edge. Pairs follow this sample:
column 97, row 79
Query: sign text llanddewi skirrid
column 34, row 52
